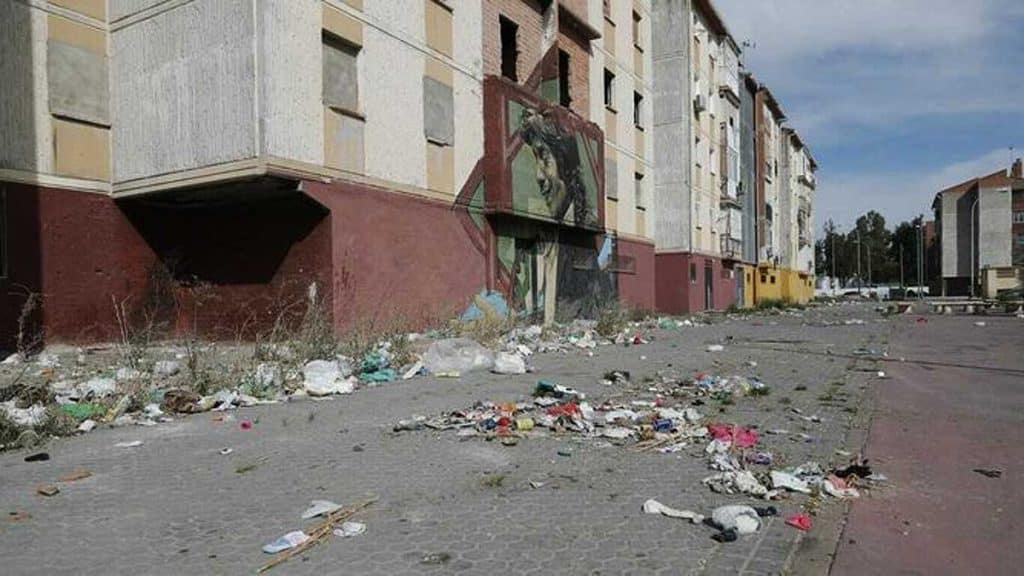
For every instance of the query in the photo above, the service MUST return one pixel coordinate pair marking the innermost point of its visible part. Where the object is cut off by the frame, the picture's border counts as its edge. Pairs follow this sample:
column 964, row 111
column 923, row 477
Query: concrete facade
column 373, row 111
column 976, row 230
column 634, row 147
column 698, row 130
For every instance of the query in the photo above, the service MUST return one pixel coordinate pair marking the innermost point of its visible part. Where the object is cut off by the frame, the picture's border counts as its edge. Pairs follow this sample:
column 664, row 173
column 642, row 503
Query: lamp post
column 901, row 265
column 973, row 206
column 835, row 230
column 921, row 249
column 860, row 281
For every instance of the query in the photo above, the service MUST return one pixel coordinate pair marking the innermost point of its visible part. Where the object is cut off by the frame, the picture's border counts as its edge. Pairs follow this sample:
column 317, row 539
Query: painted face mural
column 553, row 174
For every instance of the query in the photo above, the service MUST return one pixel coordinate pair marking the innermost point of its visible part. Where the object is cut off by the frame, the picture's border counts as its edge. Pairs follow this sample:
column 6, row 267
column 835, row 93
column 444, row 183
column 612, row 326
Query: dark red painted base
column 677, row 291
column 231, row 266
column 397, row 258
column 636, row 288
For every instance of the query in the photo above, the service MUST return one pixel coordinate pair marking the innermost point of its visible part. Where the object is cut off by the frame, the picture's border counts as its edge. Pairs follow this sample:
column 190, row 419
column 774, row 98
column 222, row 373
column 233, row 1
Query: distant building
column 979, row 226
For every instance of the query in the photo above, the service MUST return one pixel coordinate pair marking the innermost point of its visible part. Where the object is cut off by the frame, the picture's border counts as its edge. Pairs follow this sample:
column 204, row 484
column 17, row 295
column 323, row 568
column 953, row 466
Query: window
column 3, row 233
column 608, row 9
column 1018, row 217
column 638, row 116
column 609, row 89
column 564, row 95
column 341, row 74
column 638, row 193
column 693, row 272
column 636, row 31
column 773, row 278
column 509, row 48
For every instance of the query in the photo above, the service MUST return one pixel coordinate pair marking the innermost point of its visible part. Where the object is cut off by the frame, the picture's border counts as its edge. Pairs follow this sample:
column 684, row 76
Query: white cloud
column 840, row 65
column 898, row 195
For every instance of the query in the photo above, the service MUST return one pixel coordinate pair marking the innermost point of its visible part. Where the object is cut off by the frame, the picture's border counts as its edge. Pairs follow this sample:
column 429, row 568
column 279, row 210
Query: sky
column 897, row 99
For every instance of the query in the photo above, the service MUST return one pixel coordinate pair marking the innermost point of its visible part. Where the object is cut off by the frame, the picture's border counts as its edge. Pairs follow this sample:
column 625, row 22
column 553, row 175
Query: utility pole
column 973, row 206
column 869, row 266
column 833, row 234
column 860, row 281
column 901, row 265
column 921, row 263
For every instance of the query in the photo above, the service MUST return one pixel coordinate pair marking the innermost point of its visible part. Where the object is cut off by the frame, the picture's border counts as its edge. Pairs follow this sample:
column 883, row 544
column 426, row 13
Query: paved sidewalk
column 934, row 425
column 176, row 506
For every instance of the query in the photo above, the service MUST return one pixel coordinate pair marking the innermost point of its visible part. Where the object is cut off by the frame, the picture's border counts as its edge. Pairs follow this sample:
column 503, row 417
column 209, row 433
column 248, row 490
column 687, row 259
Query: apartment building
column 796, row 233
column 211, row 163
column 768, row 158
column 979, row 226
column 699, row 234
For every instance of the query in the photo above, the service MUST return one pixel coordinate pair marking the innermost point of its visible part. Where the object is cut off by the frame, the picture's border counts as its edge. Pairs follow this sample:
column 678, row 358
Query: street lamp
column 835, row 231
column 973, row 206
column 921, row 250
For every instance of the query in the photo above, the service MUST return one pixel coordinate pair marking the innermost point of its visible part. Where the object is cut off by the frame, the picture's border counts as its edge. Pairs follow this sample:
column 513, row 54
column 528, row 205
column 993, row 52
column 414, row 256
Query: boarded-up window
column 638, row 180
column 693, row 272
column 611, row 178
column 438, row 112
column 77, row 80
column 341, row 74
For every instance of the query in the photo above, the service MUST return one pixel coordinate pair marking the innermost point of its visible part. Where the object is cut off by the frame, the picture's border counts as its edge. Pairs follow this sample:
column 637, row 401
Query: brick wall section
column 529, row 16
column 579, row 72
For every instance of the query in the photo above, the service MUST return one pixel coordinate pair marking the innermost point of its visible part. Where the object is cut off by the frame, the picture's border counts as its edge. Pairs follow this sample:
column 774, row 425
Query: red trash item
column 740, row 437
column 245, row 425
column 922, row 320
column 800, row 521
column 568, row 409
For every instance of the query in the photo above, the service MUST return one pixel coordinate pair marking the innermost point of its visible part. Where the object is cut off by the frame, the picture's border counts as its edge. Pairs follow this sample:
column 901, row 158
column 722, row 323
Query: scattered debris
column 316, row 535
column 286, row 542
column 75, row 476
column 131, row 444
column 736, row 520
column 509, row 363
column 320, row 508
column 989, row 472
column 37, row 457
column 350, row 529
column 460, row 355
column 801, row 521
column 435, row 558
column 654, row 507
column 326, row 377
column 47, row 490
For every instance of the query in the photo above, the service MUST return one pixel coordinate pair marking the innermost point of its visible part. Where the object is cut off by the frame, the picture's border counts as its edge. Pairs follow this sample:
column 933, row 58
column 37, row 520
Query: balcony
column 731, row 248
column 542, row 161
column 807, row 179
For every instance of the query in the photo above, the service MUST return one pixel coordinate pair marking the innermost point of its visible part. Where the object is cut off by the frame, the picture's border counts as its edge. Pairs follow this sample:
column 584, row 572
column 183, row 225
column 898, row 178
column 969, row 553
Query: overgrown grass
column 492, row 481
column 611, row 320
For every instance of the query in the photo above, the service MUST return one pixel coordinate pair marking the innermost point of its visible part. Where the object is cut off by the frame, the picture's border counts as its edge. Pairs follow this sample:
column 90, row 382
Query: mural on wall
column 559, row 275
column 553, row 175
column 534, row 203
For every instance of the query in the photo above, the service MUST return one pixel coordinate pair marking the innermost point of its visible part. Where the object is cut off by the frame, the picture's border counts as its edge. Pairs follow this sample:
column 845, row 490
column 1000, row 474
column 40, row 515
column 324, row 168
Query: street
column 562, row 503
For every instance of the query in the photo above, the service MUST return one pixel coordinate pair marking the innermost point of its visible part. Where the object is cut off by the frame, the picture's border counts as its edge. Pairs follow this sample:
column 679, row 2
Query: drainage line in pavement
column 887, row 359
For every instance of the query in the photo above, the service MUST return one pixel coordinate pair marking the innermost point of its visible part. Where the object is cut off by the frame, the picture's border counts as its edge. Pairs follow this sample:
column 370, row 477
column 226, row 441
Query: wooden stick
column 318, row 534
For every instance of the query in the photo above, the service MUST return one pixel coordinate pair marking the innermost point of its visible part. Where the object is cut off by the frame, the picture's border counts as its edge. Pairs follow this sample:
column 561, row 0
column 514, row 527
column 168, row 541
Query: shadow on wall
column 230, row 264
column 20, row 274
